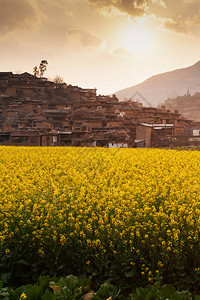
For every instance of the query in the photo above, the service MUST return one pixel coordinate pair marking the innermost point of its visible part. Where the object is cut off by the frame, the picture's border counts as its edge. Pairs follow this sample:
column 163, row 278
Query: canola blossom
column 97, row 208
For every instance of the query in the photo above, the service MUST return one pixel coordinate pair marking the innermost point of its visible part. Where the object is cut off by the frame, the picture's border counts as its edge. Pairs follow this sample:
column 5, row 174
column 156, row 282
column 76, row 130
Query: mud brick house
column 155, row 135
column 194, row 135
column 38, row 112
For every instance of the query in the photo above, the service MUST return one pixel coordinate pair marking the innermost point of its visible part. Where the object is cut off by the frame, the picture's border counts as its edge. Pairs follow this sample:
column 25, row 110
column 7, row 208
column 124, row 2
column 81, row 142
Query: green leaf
column 72, row 282
column 34, row 293
column 141, row 292
column 134, row 297
column 22, row 262
column 48, row 296
column 168, row 290
column 150, row 296
column 106, row 290
column 130, row 274
column 44, row 282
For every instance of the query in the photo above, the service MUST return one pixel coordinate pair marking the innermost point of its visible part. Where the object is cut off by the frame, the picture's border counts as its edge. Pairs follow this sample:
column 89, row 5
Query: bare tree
column 35, row 71
column 58, row 80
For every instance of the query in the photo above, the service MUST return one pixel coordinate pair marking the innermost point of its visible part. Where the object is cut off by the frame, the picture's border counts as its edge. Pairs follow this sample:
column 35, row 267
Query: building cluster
column 38, row 112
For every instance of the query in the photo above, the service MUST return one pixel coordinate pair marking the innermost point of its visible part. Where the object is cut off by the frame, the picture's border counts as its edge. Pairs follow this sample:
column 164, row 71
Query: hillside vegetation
column 188, row 105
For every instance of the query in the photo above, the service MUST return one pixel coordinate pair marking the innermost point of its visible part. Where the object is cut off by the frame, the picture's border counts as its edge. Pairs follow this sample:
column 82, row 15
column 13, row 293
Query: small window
column 33, row 140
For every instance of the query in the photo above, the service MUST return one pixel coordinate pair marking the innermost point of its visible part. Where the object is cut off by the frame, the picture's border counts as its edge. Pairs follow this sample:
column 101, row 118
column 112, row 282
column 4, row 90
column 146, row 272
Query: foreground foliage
column 69, row 288
column 130, row 216
column 74, row 288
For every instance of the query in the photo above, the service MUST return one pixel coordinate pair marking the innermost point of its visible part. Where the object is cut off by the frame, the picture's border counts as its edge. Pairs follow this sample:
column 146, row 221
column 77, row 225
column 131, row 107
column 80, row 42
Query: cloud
column 122, row 51
column 182, row 15
column 160, row 3
column 55, row 9
column 132, row 8
column 192, row 12
column 177, row 16
column 84, row 37
column 175, row 26
column 31, row 15
column 17, row 14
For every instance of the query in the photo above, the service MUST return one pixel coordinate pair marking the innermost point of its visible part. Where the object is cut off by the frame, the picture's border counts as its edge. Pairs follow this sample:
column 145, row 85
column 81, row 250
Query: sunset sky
column 107, row 44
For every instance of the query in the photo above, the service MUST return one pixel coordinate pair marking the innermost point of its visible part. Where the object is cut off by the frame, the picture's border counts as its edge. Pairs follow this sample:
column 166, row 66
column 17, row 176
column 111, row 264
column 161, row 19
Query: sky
column 103, row 44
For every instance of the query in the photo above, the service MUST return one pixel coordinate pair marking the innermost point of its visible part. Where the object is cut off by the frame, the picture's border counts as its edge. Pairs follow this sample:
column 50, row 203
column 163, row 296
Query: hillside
column 38, row 112
column 158, row 88
column 188, row 105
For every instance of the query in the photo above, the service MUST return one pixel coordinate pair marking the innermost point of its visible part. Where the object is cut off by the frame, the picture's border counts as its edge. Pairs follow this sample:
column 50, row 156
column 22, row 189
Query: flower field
column 127, row 215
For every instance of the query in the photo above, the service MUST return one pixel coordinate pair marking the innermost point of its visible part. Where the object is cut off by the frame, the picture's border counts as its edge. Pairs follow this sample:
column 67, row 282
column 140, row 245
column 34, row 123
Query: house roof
column 65, row 132
column 195, row 127
column 25, row 74
column 57, row 111
column 6, row 74
column 139, row 141
column 157, row 125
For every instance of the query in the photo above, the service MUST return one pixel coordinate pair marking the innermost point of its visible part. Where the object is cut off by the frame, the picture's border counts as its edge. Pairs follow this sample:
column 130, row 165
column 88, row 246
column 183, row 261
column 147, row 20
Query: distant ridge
column 158, row 88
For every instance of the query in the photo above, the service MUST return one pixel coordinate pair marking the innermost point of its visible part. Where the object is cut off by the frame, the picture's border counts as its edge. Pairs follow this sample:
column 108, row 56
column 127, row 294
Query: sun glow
column 139, row 39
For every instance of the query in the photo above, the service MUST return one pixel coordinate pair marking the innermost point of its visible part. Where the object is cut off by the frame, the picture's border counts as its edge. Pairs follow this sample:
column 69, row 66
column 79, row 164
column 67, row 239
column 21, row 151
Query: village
column 37, row 112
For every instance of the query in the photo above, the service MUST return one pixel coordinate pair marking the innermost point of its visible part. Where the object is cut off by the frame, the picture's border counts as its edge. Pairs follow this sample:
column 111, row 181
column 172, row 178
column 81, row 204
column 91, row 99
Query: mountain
column 158, row 88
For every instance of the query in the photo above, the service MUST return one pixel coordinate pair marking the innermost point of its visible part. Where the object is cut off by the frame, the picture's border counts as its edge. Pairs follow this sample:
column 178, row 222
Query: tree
column 43, row 67
column 35, row 71
column 58, row 80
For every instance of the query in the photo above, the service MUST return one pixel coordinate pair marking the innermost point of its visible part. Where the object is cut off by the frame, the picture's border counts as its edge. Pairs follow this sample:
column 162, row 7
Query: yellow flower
column 160, row 264
column 23, row 296
column 100, row 199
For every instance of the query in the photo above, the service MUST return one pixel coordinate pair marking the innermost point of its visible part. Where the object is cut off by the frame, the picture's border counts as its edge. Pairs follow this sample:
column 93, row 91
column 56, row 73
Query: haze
column 107, row 44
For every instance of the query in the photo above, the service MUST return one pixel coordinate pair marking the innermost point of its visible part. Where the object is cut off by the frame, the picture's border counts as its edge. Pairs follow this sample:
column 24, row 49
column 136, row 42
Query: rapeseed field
column 122, row 214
